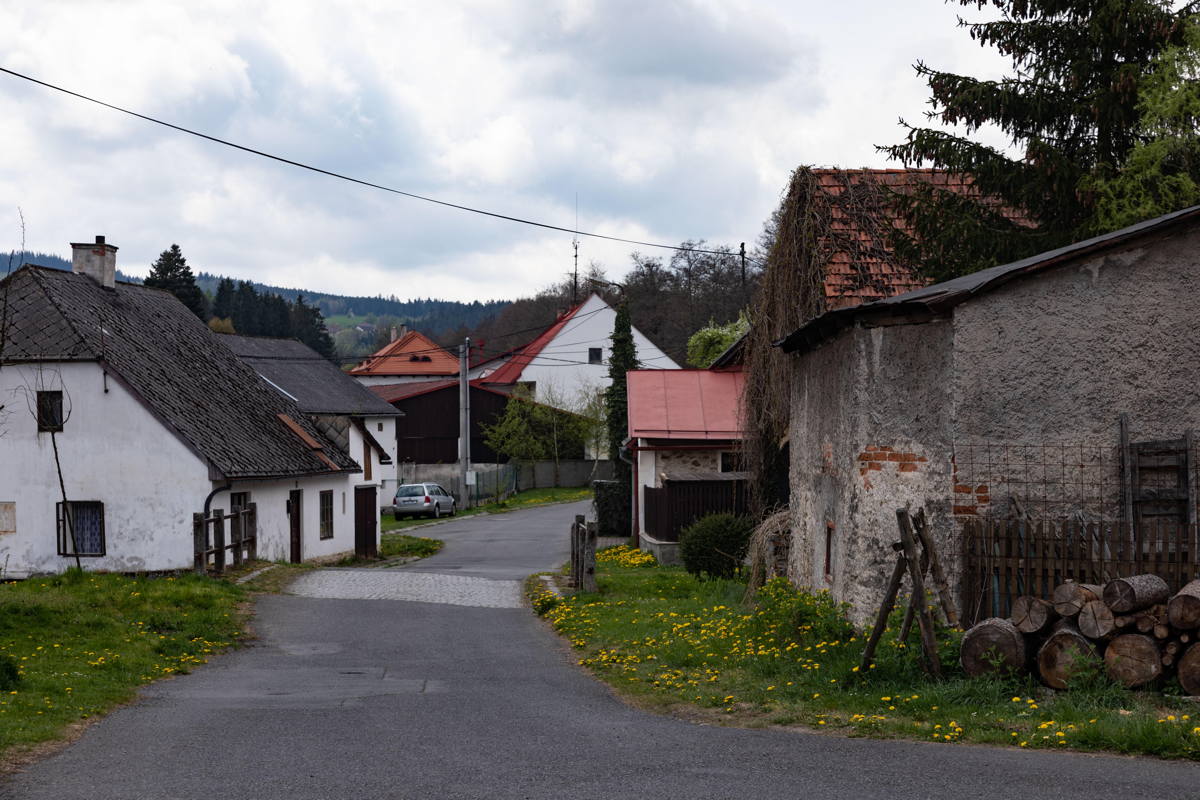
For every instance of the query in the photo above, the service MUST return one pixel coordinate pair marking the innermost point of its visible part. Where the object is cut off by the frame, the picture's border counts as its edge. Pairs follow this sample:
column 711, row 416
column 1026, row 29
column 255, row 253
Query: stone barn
column 1018, row 390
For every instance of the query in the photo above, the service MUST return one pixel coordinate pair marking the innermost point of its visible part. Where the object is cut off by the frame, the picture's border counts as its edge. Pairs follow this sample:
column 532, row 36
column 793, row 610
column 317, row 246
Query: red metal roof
column 411, row 354
column 684, row 404
column 511, row 371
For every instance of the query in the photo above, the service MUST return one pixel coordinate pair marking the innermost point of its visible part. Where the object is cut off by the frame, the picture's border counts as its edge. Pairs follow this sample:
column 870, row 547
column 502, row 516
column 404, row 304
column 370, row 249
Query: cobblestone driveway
column 421, row 587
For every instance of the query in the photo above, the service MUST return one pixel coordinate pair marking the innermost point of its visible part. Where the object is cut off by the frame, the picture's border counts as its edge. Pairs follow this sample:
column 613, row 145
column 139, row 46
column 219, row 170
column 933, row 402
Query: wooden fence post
column 588, row 573
column 199, row 543
column 251, row 532
column 235, row 535
column 218, row 523
column 577, row 552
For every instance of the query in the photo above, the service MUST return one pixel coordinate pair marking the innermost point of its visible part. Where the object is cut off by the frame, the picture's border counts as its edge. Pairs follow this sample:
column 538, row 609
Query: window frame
column 595, row 355
column 325, row 513
column 50, row 411
column 65, row 540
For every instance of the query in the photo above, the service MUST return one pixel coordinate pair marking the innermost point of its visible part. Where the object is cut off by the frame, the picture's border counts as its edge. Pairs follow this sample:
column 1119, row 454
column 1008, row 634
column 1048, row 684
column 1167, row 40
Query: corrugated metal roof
column 316, row 384
column 929, row 301
column 684, row 404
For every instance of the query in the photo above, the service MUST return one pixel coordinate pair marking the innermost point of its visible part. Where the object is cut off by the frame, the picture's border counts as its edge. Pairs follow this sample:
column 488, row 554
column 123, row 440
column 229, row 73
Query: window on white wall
column 49, row 411
column 595, row 355
column 8, row 518
column 327, row 514
column 80, row 528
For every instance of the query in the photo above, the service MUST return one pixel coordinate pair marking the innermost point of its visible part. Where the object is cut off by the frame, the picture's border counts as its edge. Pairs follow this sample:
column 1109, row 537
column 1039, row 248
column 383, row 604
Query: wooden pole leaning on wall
column 908, row 539
column 885, row 609
column 940, row 585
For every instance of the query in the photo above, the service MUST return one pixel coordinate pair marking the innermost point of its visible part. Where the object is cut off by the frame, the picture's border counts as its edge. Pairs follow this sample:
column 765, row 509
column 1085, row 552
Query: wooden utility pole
column 464, row 420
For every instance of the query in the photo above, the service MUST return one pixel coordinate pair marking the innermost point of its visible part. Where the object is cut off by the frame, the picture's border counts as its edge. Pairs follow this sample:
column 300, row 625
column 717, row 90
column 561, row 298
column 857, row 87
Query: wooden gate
column 209, row 545
column 366, row 526
column 680, row 503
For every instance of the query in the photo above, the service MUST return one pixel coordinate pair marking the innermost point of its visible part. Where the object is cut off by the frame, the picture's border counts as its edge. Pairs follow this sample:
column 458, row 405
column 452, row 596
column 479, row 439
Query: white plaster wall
column 113, row 451
column 384, row 380
column 383, row 429
column 563, row 376
column 274, row 531
column 647, row 476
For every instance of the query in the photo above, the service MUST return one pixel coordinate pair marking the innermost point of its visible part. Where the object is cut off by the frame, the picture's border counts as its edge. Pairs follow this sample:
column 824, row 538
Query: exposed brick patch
column 874, row 458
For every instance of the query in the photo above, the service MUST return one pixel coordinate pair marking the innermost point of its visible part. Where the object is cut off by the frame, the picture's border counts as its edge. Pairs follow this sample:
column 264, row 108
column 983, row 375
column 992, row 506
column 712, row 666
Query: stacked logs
column 1133, row 626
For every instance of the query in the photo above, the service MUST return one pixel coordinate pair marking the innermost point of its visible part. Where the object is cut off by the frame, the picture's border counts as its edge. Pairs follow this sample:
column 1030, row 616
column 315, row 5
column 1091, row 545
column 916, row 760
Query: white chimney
column 98, row 261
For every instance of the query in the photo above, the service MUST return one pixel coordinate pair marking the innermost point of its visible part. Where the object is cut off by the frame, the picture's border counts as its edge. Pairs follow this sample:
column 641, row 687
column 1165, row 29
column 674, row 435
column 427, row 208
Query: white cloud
column 668, row 120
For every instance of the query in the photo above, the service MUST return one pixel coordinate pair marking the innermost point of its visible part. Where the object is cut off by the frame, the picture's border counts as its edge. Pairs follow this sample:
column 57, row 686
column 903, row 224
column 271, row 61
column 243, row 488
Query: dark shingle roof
column 172, row 363
column 317, row 385
column 938, row 298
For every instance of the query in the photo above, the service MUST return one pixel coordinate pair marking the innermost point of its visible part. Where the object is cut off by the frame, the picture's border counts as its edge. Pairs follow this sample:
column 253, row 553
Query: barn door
column 365, row 522
column 295, row 508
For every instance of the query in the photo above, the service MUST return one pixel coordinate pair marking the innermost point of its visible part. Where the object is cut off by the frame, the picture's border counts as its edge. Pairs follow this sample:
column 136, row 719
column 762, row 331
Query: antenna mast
column 575, row 244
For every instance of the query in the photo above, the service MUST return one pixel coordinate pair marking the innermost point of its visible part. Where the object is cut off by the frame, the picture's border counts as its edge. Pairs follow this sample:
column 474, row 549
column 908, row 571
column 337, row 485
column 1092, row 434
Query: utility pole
column 464, row 420
column 743, row 269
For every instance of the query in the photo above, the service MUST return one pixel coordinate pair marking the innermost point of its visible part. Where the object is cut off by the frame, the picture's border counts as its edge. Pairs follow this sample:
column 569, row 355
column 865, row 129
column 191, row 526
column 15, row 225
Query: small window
column 327, row 514
column 8, row 518
column 80, row 529
column 49, row 411
column 379, row 426
column 829, row 529
column 595, row 355
column 732, row 462
column 239, row 501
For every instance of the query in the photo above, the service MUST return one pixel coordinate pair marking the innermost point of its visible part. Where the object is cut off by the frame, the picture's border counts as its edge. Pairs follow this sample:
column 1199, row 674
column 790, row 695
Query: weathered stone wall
column 870, row 432
column 670, row 462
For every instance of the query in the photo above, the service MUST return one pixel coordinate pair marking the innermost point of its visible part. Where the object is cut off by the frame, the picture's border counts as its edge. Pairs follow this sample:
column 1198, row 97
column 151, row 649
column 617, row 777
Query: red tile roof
column 411, row 354
column 870, row 274
column 684, row 404
column 510, row 371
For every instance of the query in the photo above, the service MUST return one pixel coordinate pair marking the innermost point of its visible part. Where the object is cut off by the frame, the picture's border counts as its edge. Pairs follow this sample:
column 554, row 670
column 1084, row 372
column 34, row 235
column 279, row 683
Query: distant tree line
column 240, row 308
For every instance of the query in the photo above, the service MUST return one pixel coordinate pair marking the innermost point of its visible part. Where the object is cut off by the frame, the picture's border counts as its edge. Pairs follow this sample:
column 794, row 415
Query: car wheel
column 437, row 511
column 452, row 508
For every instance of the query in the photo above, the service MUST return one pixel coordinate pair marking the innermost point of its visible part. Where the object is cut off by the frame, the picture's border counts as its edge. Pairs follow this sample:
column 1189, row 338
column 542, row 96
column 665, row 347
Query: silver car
column 416, row 499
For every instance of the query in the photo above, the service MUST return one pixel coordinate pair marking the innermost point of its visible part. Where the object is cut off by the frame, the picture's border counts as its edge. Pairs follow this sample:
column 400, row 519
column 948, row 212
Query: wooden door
column 295, row 518
column 366, row 522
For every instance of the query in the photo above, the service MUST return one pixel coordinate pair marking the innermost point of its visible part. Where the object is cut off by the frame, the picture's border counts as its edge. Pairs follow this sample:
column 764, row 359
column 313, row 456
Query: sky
column 658, row 121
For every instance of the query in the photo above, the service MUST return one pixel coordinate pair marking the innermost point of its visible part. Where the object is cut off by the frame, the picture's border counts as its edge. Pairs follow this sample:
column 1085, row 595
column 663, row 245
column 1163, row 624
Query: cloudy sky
column 664, row 119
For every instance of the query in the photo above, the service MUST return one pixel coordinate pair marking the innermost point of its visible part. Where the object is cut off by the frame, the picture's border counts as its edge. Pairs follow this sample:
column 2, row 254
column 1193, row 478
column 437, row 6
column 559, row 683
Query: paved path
column 354, row 698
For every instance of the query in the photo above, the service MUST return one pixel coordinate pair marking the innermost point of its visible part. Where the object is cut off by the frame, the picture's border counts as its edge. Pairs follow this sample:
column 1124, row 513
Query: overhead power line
column 359, row 181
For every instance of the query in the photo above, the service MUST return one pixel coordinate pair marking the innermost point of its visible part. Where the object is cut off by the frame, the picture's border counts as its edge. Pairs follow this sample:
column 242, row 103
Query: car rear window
column 410, row 491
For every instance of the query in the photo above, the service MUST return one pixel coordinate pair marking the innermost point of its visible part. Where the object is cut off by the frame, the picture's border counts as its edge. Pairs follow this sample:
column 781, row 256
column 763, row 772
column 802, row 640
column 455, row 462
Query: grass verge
column 77, row 645
column 527, row 499
column 669, row 641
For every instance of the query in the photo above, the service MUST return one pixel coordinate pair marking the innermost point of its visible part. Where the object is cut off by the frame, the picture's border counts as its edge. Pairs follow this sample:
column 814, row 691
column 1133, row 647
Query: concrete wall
column 870, row 432
column 113, row 451
column 540, row 475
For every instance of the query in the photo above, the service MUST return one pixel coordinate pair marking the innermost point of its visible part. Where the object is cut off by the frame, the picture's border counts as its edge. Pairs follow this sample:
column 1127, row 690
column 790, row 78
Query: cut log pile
column 1133, row 628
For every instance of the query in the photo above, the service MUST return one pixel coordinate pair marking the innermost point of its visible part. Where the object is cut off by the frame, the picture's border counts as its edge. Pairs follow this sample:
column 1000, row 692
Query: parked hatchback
column 416, row 499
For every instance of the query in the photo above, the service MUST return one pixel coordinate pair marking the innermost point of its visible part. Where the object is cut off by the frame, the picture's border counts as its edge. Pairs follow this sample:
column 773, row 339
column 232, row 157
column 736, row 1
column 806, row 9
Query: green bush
column 613, row 508
column 715, row 545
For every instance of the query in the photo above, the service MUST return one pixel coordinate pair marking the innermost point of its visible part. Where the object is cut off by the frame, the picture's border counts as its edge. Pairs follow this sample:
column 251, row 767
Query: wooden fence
column 680, row 503
column 210, row 545
column 1004, row 559
column 583, row 555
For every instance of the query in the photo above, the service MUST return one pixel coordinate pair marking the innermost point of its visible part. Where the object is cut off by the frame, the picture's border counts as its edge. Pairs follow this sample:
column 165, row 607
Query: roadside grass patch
column 692, row 646
column 82, row 643
column 527, row 499
column 401, row 545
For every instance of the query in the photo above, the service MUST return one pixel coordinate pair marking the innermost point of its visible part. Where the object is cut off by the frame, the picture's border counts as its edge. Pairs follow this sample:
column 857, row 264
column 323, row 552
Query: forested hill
column 20, row 259
column 433, row 317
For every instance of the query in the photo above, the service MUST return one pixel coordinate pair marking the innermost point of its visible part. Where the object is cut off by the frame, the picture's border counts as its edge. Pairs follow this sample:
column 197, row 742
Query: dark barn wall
column 428, row 431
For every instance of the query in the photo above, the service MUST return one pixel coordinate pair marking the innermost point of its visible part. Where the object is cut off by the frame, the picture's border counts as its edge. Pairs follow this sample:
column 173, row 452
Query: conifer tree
column 1070, row 107
column 308, row 325
column 172, row 273
column 623, row 359
column 223, row 300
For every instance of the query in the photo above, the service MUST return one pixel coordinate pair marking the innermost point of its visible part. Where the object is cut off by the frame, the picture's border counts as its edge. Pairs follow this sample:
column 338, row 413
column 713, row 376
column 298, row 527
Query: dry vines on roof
column 849, row 213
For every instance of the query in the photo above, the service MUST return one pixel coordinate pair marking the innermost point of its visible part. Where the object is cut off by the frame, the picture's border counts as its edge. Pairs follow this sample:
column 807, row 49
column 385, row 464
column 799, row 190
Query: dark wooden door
column 295, row 518
column 365, row 522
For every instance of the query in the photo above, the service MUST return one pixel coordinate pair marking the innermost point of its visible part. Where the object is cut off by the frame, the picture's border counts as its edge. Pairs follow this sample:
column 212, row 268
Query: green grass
column 401, row 545
column 671, row 642
column 82, row 643
column 526, row 499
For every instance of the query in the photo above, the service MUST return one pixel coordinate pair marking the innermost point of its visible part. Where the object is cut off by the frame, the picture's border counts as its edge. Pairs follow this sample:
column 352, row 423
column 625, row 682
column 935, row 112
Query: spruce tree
column 223, row 301
column 1070, row 107
column 623, row 359
column 172, row 273
column 308, row 325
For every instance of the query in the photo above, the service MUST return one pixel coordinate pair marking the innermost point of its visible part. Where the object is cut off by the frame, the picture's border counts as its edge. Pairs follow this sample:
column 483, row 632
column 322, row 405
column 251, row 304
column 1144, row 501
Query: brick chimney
column 98, row 261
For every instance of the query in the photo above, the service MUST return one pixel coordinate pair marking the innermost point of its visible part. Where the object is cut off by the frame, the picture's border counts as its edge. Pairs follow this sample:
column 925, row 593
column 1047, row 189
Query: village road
column 393, row 698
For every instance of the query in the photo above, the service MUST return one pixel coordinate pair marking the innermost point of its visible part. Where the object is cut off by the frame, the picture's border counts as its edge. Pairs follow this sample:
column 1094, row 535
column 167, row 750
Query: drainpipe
column 208, row 500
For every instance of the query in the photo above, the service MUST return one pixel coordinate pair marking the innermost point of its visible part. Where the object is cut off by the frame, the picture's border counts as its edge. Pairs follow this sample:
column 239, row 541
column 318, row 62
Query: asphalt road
column 396, row 699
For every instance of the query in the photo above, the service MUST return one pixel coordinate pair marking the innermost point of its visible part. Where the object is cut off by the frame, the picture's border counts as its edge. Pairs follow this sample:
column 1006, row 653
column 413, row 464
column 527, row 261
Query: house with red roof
column 685, row 436
column 569, row 360
column 412, row 356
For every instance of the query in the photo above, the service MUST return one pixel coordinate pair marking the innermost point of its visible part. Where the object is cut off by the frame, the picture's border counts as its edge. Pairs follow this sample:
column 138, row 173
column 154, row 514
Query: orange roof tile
column 870, row 273
column 411, row 354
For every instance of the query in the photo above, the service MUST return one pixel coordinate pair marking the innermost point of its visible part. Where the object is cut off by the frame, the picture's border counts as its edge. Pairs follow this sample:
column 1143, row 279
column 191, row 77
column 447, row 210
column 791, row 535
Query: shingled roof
column 316, row 384
column 173, row 364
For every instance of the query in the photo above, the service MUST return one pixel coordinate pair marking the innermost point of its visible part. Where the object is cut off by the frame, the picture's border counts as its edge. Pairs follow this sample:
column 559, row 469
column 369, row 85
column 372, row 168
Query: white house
column 569, row 360
column 121, row 410
column 347, row 412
